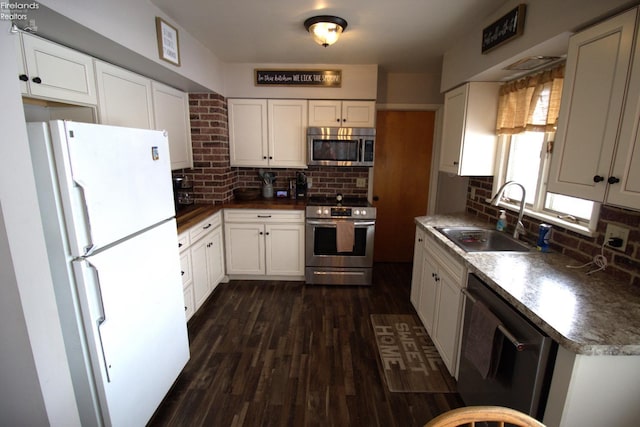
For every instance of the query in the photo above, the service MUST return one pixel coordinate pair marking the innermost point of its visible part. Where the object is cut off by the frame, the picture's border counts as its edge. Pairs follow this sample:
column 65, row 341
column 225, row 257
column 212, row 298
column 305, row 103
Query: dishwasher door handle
column 520, row 346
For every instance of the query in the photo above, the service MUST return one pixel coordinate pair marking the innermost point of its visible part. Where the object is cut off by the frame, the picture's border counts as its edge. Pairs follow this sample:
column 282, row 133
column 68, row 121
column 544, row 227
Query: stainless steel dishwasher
column 526, row 358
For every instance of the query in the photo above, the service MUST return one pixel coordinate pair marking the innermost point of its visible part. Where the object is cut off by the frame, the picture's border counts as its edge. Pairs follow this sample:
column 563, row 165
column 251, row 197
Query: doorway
column 404, row 141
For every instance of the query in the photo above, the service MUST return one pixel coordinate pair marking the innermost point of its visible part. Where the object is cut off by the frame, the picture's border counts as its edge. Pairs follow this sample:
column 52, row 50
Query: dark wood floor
column 285, row 354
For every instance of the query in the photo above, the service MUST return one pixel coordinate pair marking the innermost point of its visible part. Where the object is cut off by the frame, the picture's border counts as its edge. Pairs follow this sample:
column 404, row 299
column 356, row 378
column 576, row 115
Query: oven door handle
column 330, row 223
column 516, row 343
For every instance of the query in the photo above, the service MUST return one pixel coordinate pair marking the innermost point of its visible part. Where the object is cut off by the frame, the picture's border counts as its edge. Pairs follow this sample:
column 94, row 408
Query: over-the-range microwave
column 340, row 146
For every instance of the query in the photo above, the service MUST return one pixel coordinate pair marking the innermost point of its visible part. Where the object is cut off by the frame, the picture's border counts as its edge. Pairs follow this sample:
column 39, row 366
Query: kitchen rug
column 408, row 357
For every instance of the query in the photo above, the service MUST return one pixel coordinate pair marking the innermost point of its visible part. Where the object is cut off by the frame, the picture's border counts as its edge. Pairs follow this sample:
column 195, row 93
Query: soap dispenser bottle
column 502, row 221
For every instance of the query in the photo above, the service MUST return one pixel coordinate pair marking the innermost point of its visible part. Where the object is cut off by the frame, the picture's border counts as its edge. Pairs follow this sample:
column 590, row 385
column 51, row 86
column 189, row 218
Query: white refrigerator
column 106, row 203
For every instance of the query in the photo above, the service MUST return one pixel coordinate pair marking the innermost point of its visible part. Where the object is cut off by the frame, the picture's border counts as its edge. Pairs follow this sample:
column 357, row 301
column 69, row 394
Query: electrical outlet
column 614, row 231
column 309, row 182
column 473, row 193
column 361, row 182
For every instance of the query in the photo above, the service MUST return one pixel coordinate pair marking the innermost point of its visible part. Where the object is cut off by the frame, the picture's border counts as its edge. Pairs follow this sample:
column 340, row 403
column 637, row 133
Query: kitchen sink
column 476, row 239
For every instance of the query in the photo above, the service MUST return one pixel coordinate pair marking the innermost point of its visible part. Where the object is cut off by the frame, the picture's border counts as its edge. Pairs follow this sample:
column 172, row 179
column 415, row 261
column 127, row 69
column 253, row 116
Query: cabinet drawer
column 183, row 241
column 263, row 216
column 449, row 262
column 199, row 230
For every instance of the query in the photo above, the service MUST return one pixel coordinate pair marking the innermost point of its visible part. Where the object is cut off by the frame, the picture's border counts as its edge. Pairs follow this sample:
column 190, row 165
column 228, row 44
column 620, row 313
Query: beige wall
column 409, row 88
column 124, row 32
column 547, row 28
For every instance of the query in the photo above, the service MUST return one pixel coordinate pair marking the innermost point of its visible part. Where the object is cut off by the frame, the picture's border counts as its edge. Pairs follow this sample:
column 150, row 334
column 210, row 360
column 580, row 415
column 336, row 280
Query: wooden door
column 400, row 180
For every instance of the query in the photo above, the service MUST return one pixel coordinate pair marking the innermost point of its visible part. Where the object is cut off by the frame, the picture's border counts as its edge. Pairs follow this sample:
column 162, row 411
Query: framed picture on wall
column 168, row 42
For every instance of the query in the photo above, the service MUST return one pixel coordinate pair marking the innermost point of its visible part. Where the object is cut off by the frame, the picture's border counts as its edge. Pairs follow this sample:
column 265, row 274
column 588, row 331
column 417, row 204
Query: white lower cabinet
column 416, row 275
column 436, row 294
column 187, row 274
column 202, row 261
column 264, row 243
column 206, row 258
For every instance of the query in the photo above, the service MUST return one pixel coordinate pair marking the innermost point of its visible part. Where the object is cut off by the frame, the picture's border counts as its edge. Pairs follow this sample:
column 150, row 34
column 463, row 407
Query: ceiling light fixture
column 325, row 30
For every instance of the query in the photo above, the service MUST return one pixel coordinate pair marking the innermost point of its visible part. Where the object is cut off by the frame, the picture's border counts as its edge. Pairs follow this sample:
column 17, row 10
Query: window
column 526, row 133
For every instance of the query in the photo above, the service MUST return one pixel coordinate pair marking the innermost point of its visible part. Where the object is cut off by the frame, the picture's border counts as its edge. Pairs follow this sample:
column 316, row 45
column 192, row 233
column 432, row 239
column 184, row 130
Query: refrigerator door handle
column 100, row 320
column 96, row 307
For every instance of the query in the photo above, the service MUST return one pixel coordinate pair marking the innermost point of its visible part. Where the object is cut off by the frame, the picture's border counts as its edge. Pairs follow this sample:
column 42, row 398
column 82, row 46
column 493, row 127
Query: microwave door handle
column 361, row 150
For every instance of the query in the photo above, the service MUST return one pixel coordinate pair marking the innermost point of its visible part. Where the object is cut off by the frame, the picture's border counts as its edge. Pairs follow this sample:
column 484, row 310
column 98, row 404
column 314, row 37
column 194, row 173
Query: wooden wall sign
column 318, row 78
column 504, row 29
column 168, row 42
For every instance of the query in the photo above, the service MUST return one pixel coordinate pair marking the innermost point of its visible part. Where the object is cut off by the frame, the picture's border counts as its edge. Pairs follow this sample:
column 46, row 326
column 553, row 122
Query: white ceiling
column 399, row 35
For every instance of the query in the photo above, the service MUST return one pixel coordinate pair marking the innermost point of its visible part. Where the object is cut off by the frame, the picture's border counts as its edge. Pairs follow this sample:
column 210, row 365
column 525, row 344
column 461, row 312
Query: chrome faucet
column 496, row 199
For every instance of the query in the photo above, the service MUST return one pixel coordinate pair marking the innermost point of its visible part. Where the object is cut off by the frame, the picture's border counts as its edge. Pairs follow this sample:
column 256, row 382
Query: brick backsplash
column 213, row 178
column 624, row 266
column 326, row 181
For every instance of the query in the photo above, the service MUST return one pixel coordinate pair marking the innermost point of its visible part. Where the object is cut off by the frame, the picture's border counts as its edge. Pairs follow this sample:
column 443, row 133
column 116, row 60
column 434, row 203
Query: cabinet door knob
column 598, row 178
column 23, row 77
column 613, row 180
column 36, row 80
column 338, row 120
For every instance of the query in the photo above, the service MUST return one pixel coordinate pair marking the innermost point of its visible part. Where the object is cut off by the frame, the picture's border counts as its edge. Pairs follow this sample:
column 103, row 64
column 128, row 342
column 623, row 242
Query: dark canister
column 544, row 232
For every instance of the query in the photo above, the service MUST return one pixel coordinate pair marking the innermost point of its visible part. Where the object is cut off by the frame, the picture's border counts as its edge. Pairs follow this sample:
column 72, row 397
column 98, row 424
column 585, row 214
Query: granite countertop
column 587, row 314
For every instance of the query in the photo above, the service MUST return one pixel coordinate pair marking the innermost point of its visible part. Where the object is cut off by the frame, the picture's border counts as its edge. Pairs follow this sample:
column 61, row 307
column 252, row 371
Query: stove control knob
column 356, row 212
column 326, row 211
column 319, row 211
column 363, row 212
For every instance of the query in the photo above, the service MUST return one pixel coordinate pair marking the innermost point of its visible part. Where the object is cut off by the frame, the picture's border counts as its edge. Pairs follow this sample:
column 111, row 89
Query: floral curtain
column 531, row 103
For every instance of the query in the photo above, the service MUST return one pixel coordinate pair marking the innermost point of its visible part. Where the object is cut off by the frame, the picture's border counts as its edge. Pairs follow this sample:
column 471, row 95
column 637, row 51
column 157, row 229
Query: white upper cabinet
column 56, row 72
column 267, row 132
column 129, row 99
column 22, row 69
column 626, row 165
column 287, row 124
column 593, row 98
column 469, row 129
column 171, row 113
column 124, row 98
column 332, row 113
column 248, row 132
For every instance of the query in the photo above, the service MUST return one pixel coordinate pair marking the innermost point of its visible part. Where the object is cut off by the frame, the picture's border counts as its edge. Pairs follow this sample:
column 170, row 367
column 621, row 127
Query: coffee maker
column 301, row 185
column 182, row 192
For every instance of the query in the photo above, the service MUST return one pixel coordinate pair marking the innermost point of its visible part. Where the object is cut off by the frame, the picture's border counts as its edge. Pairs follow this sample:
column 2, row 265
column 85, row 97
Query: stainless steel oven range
column 339, row 241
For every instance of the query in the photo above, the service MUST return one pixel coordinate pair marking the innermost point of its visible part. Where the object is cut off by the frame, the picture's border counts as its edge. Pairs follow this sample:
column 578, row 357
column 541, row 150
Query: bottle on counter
column 502, row 221
column 544, row 232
